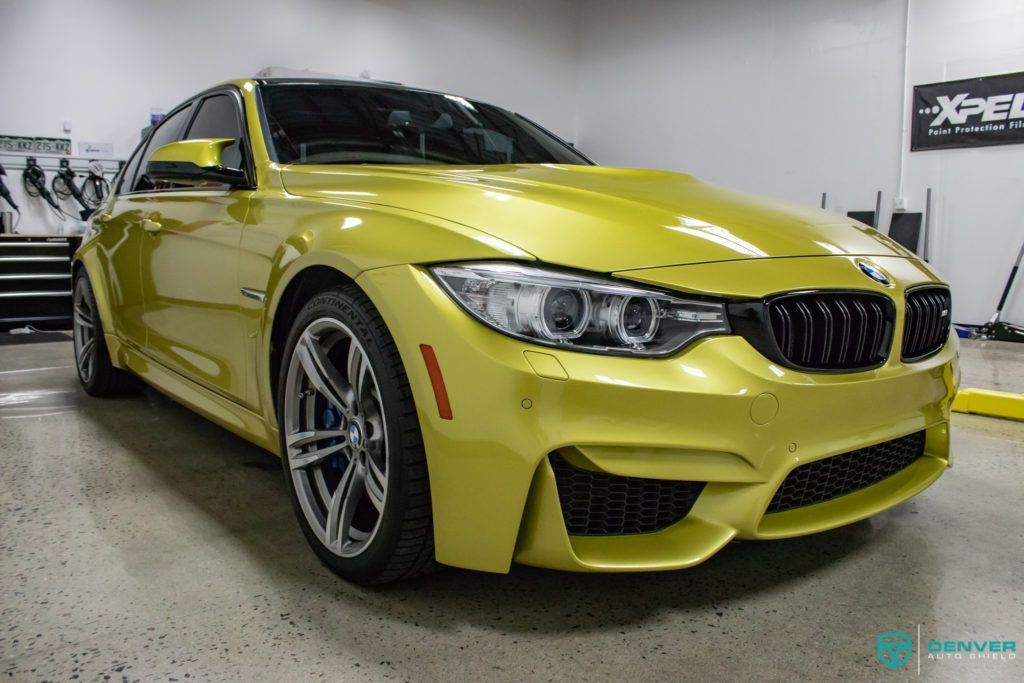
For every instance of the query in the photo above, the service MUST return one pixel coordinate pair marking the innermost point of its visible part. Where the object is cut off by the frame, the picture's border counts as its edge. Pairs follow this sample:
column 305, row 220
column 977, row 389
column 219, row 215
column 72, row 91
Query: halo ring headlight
column 579, row 312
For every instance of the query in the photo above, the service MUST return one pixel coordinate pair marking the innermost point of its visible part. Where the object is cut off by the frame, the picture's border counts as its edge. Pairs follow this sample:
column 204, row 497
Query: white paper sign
column 95, row 149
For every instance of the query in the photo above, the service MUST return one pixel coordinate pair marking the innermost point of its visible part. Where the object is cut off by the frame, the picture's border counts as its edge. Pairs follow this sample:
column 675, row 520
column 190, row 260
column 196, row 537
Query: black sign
column 975, row 112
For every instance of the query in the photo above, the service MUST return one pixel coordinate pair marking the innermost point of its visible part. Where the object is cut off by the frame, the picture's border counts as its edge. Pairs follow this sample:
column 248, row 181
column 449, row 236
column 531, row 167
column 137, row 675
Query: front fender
column 286, row 238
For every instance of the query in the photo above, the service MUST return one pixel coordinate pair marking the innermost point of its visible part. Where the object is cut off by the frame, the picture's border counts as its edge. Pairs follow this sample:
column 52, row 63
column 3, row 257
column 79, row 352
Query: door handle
column 151, row 226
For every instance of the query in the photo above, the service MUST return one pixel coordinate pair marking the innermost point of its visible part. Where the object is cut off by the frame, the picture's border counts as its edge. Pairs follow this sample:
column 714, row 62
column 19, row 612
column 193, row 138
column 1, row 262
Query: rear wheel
column 351, row 445
column 98, row 375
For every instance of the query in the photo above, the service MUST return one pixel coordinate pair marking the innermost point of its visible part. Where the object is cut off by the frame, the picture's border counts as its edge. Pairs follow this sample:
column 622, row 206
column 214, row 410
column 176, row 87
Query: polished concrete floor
column 140, row 542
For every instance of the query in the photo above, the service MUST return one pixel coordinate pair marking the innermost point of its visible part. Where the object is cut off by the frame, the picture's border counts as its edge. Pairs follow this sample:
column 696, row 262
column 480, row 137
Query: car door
column 189, row 263
column 120, row 232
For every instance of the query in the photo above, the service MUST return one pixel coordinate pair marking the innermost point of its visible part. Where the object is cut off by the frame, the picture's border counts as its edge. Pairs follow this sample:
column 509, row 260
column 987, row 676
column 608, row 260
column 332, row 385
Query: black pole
column 1009, row 285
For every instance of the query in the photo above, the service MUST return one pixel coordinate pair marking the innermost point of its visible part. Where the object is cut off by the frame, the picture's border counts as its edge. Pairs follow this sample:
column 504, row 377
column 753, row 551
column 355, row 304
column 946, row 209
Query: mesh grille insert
column 832, row 330
column 926, row 323
column 600, row 504
column 845, row 473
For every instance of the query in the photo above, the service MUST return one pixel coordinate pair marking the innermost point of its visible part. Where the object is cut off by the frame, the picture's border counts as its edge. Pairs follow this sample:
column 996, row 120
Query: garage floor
column 138, row 541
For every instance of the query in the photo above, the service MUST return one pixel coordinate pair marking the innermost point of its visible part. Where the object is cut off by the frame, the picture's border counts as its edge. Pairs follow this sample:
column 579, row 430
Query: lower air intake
column 839, row 475
column 600, row 504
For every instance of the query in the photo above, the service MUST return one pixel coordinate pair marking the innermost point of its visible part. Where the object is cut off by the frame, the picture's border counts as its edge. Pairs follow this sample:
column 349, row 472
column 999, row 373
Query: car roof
column 249, row 83
column 319, row 80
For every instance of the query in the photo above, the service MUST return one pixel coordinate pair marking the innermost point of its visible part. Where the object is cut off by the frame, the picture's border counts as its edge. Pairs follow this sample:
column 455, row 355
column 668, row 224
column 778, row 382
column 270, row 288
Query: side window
column 218, row 118
column 124, row 183
column 167, row 132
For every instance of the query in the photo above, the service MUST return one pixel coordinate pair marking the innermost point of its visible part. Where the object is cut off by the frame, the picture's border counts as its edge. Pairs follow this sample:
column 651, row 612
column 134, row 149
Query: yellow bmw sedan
column 470, row 345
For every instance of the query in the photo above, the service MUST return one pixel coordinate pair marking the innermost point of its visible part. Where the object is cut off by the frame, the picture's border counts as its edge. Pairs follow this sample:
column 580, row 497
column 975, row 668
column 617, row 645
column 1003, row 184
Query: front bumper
column 719, row 412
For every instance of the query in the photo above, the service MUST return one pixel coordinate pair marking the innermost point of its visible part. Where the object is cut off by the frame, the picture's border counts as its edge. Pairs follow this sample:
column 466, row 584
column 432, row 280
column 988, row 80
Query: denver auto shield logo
column 894, row 648
column 975, row 112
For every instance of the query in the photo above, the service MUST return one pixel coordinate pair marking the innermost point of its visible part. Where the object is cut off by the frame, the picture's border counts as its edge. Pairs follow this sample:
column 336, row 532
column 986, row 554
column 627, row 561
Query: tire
column 351, row 449
column 98, row 375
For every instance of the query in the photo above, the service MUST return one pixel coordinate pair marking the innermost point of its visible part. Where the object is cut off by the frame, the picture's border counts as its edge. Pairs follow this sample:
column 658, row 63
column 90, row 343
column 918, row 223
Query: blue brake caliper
column 331, row 419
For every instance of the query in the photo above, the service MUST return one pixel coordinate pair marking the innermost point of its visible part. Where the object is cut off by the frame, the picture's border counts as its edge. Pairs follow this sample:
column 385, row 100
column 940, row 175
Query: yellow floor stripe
column 992, row 403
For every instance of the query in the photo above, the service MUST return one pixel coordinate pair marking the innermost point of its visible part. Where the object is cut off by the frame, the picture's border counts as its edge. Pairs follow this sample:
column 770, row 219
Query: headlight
column 577, row 312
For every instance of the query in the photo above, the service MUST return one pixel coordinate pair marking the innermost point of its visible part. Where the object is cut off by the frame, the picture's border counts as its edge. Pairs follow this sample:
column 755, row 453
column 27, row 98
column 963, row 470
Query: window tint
column 128, row 177
column 218, row 118
column 356, row 124
column 167, row 132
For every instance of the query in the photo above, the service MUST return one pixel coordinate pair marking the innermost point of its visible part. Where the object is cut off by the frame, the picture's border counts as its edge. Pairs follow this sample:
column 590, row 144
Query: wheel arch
column 88, row 263
column 300, row 287
column 323, row 256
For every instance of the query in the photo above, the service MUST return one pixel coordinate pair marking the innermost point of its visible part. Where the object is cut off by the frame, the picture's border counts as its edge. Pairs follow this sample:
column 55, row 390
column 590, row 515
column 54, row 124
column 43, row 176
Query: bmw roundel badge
column 875, row 273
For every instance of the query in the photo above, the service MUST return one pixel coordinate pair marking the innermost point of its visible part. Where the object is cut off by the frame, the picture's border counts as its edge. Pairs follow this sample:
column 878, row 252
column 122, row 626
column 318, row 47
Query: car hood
column 600, row 218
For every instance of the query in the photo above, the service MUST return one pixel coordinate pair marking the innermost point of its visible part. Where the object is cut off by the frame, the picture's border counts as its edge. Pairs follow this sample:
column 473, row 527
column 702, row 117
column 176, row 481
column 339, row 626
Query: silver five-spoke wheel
column 84, row 334
column 92, row 359
column 336, row 437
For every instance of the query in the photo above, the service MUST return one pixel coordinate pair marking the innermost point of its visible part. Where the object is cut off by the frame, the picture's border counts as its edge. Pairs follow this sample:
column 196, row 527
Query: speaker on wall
column 905, row 228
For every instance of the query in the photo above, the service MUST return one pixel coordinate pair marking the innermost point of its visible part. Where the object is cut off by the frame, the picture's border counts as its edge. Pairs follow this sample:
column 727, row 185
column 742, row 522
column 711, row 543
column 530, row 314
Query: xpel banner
column 975, row 112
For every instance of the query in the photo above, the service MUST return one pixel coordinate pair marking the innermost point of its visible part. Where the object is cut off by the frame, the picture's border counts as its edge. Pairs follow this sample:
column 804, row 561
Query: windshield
column 315, row 123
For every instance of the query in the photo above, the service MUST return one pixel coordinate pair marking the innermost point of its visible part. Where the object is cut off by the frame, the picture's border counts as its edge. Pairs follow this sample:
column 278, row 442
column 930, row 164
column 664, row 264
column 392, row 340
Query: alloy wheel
column 84, row 330
column 336, row 437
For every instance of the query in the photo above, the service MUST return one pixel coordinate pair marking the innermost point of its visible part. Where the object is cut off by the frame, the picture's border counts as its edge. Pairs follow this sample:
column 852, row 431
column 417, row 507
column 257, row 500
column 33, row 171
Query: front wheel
column 350, row 442
column 98, row 375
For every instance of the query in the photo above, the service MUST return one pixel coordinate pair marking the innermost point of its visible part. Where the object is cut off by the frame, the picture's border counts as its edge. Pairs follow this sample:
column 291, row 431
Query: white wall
column 124, row 58
column 978, row 193
column 789, row 98
column 793, row 98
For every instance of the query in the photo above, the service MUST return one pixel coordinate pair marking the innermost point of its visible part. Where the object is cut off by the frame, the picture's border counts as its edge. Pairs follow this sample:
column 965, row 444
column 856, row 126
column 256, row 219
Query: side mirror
column 193, row 162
